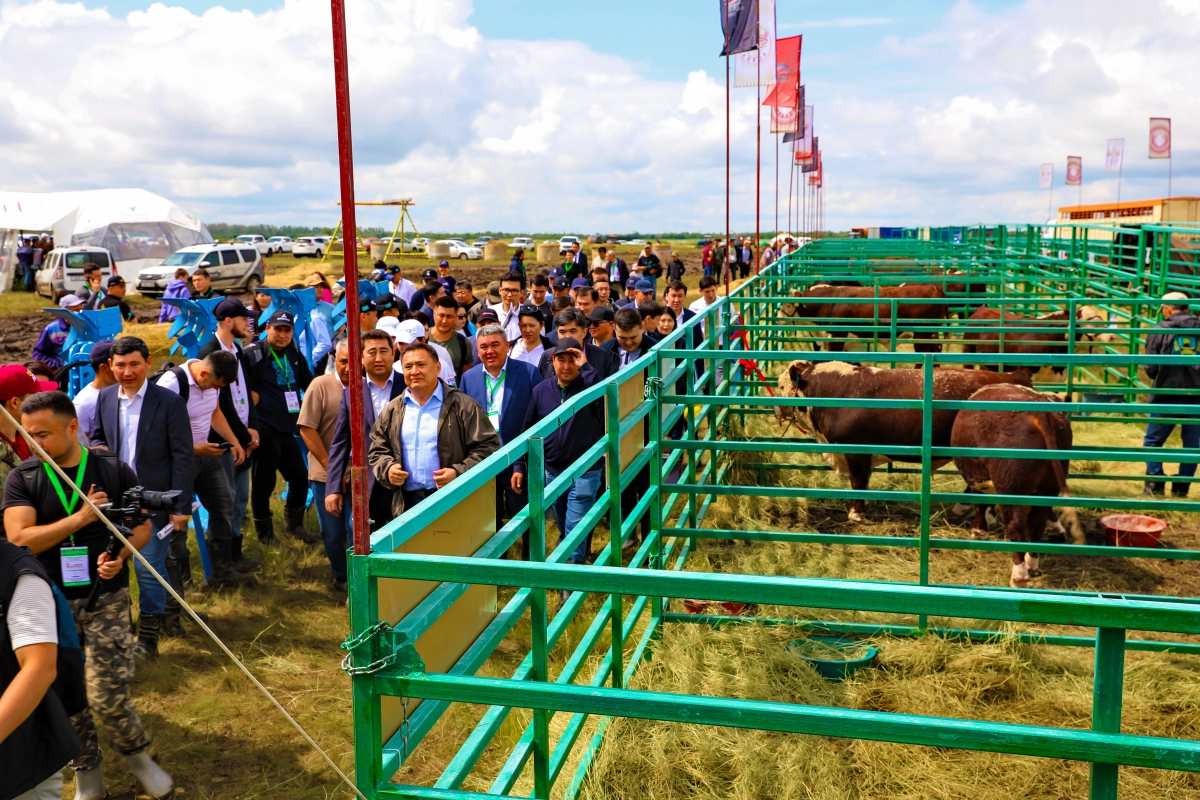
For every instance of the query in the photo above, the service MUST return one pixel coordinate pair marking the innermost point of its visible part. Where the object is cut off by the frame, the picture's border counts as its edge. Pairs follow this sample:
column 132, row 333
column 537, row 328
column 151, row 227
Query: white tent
column 139, row 228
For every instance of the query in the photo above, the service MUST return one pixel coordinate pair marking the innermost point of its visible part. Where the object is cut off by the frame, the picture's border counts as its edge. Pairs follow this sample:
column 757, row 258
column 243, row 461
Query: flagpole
column 791, row 188
column 758, row 144
column 1120, row 172
column 725, row 266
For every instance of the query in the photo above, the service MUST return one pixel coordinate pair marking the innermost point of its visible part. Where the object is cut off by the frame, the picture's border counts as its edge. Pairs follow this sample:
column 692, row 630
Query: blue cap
column 443, row 263
column 644, row 286
column 100, row 352
column 579, row 283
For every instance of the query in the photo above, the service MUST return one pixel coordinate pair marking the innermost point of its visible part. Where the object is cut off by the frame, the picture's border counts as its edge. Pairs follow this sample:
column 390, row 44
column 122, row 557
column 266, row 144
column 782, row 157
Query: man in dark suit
column 604, row 362
column 577, row 263
column 148, row 428
column 618, row 271
column 503, row 386
column 674, row 298
column 381, row 385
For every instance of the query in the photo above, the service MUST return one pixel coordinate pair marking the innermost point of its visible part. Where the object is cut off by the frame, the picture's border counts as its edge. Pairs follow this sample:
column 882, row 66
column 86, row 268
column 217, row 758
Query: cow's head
column 790, row 309
column 792, row 383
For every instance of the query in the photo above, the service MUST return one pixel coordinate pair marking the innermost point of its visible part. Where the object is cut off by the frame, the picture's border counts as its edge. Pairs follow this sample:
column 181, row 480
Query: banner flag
column 1160, row 137
column 1046, row 179
column 755, row 67
column 785, row 119
column 1114, row 154
column 808, row 160
column 742, row 33
column 1074, row 170
column 787, row 72
column 815, row 178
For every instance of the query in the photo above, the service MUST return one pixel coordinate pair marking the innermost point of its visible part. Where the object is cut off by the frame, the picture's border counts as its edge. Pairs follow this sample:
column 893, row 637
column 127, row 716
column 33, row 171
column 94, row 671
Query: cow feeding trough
column 582, row 702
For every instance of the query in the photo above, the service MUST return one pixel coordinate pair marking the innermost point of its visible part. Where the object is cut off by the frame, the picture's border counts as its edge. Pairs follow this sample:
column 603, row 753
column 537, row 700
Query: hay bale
column 547, row 252
column 437, row 251
column 495, row 250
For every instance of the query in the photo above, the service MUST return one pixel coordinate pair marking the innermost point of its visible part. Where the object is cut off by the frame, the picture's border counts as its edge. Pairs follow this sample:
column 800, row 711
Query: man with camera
column 47, row 515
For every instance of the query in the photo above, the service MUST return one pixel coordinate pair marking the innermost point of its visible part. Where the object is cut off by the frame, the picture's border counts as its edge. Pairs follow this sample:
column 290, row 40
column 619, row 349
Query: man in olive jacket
column 428, row 436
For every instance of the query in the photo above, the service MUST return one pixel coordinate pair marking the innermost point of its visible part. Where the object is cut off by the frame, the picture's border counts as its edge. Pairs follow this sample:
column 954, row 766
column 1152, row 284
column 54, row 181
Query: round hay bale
column 379, row 251
column 495, row 250
column 437, row 251
column 663, row 251
column 547, row 252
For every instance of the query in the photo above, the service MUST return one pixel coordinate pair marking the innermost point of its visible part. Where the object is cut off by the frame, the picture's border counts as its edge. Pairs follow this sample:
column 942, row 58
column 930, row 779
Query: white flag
column 1046, row 179
column 757, row 67
column 1114, row 154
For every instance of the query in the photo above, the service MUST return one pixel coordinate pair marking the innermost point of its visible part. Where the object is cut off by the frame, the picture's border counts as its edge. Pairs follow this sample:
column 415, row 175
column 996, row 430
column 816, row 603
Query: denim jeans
column 152, row 597
column 239, row 485
column 572, row 504
column 333, row 531
column 1157, row 434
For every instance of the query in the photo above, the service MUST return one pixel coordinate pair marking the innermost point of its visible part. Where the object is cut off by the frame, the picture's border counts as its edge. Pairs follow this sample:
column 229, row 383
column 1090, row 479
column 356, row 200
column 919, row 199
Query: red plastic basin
column 1133, row 530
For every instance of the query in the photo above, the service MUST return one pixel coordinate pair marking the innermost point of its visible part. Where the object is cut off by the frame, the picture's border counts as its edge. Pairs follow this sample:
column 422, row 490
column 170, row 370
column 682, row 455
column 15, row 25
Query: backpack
column 185, row 389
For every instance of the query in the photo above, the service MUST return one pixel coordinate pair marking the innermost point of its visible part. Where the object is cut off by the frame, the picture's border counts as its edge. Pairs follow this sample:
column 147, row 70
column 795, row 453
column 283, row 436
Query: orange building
column 1135, row 212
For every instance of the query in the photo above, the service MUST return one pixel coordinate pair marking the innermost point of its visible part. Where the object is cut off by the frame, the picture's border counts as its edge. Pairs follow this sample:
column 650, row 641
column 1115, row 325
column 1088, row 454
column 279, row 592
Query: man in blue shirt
column 570, row 439
column 426, row 438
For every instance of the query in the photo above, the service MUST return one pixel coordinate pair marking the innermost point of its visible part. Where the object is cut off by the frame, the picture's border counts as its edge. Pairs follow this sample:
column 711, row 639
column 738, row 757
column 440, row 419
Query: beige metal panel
column 631, row 395
column 460, row 531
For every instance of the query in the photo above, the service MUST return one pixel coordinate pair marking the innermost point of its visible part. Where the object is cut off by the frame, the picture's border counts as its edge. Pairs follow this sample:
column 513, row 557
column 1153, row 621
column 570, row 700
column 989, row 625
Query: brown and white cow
column 878, row 426
column 1028, row 342
column 1016, row 430
column 911, row 309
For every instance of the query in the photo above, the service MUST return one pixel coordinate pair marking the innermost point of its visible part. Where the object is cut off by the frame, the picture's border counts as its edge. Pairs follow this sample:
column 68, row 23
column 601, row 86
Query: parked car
column 632, row 242
column 460, row 249
column 314, row 246
column 421, row 243
column 62, row 270
column 522, row 241
column 703, row 242
column 232, row 268
column 565, row 243
column 259, row 243
column 279, row 244
column 483, row 240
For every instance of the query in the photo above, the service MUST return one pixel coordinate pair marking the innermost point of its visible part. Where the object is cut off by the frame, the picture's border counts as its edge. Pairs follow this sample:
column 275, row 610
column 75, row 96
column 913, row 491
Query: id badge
column 75, row 567
column 494, row 418
column 293, row 401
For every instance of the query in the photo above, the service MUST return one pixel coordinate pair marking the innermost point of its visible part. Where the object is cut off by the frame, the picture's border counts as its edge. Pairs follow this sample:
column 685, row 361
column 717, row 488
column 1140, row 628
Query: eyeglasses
column 509, row 291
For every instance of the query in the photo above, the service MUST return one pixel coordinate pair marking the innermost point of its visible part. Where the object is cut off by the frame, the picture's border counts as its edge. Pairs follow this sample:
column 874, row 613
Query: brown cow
column 911, row 309
column 1033, row 342
column 1016, row 430
column 878, row 426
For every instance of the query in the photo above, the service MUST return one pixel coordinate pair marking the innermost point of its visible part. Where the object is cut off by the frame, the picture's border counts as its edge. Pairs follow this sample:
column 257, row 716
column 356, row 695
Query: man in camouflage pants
column 46, row 515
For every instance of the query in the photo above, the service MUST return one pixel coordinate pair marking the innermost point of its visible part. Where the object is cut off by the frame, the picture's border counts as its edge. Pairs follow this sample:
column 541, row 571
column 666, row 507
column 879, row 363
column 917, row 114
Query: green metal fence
column 579, row 663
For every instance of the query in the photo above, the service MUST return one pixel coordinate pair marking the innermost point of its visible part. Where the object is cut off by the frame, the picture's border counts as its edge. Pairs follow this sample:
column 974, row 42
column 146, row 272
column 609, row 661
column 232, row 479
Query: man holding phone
column 199, row 384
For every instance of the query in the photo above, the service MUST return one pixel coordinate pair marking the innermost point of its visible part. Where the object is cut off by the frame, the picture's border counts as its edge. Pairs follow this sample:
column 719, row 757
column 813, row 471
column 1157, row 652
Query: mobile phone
column 225, row 445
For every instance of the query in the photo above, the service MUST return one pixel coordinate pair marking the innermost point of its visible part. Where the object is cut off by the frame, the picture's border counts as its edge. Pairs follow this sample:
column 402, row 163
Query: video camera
column 137, row 504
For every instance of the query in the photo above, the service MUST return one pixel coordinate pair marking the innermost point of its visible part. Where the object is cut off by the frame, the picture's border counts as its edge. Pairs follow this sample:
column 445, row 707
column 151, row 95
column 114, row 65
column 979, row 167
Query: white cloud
column 839, row 22
column 233, row 112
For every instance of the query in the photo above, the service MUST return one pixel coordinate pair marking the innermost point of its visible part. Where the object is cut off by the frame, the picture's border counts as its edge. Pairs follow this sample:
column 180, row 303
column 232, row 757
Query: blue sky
column 527, row 115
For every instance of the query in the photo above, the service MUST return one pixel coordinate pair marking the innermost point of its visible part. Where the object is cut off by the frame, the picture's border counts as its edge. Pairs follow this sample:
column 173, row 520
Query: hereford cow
column 1016, row 430
column 911, row 309
column 1033, row 342
column 878, row 426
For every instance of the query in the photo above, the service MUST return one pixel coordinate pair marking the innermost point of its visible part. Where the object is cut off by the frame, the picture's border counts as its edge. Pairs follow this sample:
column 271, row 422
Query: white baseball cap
column 409, row 331
column 70, row 300
column 1175, row 296
column 389, row 325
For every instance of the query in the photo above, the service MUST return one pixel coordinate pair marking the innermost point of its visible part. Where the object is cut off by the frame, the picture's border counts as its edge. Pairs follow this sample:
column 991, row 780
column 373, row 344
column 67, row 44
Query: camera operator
column 46, row 515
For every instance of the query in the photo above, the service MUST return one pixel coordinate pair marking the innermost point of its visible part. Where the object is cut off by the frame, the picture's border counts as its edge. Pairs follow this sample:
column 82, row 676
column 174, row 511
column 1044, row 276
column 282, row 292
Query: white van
column 62, row 270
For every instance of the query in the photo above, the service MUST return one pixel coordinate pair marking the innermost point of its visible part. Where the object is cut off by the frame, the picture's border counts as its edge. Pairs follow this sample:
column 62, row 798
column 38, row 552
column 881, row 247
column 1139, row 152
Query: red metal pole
column 358, row 438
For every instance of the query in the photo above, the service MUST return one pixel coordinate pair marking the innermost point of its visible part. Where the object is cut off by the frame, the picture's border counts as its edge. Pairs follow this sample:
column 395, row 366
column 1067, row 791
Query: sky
column 533, row 116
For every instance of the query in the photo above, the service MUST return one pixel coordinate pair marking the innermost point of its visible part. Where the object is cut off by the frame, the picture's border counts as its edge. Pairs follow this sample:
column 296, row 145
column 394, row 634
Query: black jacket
column 1184, row 342
column 604, row 362
column 44, row 743
column 226, row 402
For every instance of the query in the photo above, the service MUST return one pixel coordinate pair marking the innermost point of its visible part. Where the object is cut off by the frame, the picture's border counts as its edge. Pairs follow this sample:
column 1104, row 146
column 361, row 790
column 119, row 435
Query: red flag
column 787, row 73
column 1074, row 170
column 1160, row 136
column 808, row 161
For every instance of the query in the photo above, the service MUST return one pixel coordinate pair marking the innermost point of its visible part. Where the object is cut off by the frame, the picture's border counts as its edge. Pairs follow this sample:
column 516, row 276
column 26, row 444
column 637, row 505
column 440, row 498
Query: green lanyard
column 62, row 496
column 492, row 386
column 285, row 370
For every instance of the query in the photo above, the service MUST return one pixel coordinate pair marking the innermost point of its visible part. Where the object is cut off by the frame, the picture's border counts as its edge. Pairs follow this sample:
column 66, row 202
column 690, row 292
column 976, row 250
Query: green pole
column 536, row 474
column 656, row 479
column 368, row 737
column 1106, row 704
column 926, row 471
column 612, row 400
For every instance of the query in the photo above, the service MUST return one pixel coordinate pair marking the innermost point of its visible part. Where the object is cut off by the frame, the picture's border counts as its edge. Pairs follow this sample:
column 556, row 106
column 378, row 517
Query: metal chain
column 653, row 388
column 404, row 729
column 355, row 641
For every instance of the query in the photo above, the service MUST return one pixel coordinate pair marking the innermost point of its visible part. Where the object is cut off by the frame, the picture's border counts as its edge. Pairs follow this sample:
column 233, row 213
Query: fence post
column 540, row 670
column 926, row 470
column 368, row 713
column 612, row 402
column 1106, row 704
column 656, row 480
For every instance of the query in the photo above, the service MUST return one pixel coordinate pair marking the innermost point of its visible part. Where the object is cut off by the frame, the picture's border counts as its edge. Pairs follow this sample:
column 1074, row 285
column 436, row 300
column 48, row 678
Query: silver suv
column 233, row 268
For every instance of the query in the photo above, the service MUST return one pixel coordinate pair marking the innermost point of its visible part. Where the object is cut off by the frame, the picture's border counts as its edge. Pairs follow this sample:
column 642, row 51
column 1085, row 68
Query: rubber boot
column 294, row 520
column 264, row 529
column 223, row 573
column 89, row 784
column 153, row 778
column 1154, row 489
column 172, row 624
column 240, row 562
column 1180, row 489
column 149, row 627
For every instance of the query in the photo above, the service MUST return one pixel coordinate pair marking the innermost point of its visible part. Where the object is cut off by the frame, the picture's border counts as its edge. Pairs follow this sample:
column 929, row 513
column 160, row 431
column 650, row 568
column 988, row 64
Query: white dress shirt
column 380, row 395
column 129, row 414
column 509, row 320
column 85, row 409
column 201, row 403
column 241, row 394
column 521, row 353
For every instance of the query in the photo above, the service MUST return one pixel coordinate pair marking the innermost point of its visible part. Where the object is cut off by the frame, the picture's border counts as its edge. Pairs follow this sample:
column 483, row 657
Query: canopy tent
column 139, row 228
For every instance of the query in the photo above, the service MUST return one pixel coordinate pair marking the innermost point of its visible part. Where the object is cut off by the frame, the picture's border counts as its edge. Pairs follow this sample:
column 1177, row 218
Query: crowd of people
column 449, row 376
